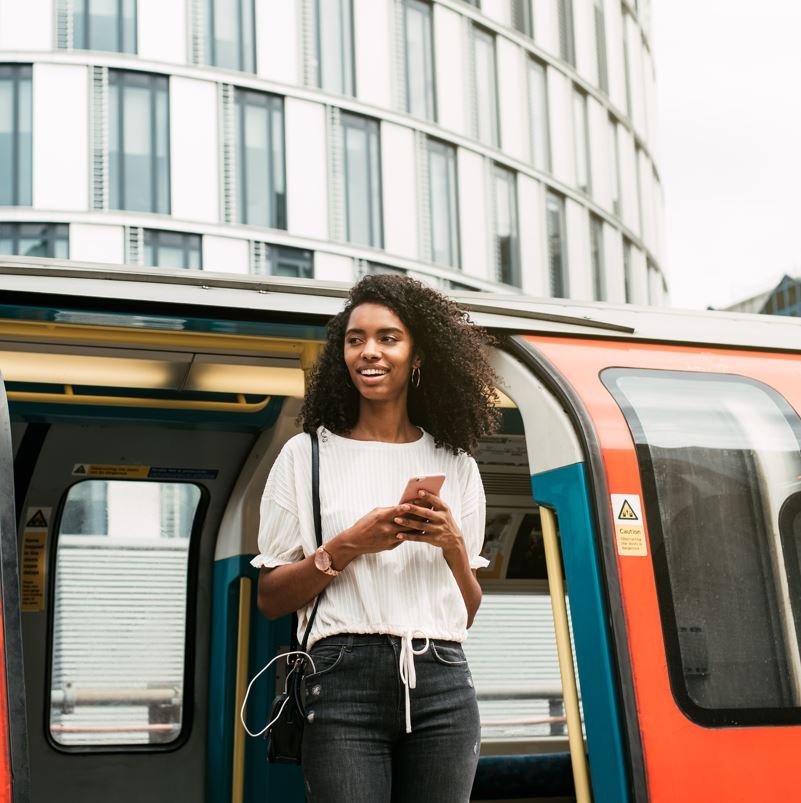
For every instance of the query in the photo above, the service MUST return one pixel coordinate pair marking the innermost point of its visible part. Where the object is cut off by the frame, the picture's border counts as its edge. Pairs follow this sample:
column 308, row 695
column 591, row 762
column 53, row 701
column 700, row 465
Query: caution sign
column 32, row 570
column 629, row 528
column 96, row 470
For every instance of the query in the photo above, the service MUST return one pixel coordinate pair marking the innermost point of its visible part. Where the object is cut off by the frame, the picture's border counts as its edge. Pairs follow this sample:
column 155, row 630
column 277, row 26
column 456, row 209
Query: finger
column 424, row 513
column 432, row 499
column 416, row 536
column 415, row 527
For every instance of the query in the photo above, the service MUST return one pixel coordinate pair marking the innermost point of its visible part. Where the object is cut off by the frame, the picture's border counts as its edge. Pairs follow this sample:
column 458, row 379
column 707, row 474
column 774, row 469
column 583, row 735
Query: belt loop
column 349, row 643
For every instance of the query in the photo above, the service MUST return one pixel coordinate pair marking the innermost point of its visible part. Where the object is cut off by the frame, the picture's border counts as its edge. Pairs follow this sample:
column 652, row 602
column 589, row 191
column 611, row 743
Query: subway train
column 639, row 637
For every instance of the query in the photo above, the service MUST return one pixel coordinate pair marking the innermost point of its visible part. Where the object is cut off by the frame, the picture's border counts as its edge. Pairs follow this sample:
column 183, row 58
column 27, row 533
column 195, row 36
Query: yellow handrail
column 566, row 669
column 69, row 397
column 242, row 659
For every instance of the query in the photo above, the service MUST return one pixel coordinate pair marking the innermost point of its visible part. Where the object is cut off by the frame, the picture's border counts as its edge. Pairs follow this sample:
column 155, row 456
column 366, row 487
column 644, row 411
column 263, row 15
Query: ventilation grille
column 308, row 32
column 336, row 179
column 99, row 117
column 64, row 29
column 259, row 258
column 134, row 251
column 228, row 139
column 197, row 32
column 398, row 40
column 502, row 484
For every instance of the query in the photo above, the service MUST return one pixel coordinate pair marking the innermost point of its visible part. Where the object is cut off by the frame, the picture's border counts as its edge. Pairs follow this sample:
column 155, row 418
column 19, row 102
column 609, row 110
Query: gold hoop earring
column 416, row 377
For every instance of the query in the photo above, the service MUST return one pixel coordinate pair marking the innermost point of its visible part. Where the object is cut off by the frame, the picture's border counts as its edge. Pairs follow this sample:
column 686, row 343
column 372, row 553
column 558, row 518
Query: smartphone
column 428, row 482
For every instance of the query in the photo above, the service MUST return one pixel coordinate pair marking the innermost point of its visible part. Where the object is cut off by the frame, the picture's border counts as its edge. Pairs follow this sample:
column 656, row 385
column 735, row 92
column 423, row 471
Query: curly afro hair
column 455, row 402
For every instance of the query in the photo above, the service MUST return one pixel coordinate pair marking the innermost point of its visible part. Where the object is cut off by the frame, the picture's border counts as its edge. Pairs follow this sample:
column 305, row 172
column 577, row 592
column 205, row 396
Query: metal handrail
column 567, row 671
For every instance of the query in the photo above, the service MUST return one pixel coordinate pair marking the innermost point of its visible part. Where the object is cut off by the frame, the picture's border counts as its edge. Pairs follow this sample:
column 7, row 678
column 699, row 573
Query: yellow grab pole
column 566, row 669
column 242, row 659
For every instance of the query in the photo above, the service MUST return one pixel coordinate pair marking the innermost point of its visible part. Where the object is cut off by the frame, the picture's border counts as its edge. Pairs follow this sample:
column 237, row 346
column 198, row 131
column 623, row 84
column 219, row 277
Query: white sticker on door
column 629, row 528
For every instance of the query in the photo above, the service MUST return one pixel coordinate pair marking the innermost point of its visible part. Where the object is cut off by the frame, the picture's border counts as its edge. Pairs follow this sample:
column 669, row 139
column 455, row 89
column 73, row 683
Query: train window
column 718, row 457
column 790, row 530
column 119, row 612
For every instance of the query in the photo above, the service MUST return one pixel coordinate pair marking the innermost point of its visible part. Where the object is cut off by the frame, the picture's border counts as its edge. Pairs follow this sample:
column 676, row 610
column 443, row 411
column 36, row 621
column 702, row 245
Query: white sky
column 728, row 82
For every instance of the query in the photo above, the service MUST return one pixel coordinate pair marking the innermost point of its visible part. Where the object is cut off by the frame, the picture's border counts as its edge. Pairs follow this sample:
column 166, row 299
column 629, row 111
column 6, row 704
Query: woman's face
column 379, row 352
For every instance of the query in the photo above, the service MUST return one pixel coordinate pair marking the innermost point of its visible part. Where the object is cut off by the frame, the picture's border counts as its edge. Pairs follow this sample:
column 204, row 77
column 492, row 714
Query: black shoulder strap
column 318, row 525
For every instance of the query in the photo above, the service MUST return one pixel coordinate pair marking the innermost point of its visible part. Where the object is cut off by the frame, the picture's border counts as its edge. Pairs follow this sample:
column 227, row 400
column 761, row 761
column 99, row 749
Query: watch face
column 322, row 560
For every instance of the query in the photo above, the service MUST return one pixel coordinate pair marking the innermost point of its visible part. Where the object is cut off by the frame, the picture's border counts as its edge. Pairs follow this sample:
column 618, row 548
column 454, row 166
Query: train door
column 700, row 523
column 511, row 646
column 119, row 518
column 548, row 538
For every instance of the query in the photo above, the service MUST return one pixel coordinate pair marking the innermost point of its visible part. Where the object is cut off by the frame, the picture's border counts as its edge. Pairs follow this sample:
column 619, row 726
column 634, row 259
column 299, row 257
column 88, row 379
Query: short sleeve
column 280, row 540
column 474, row 516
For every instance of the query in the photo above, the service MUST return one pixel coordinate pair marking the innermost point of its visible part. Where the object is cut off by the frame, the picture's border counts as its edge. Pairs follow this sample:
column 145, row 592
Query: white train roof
column 512, row 313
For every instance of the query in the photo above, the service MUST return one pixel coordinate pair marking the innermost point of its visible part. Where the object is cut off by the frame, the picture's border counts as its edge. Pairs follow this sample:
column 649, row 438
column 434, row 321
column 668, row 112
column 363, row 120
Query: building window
column 507, row 249
column 582, row 141
column 334, row 45
column 16, row 118
column 171, row 249
column 35, row 240
column 486, row 87
column 567, row 40
column 260, row 170
column 627, row 270
column 557, row 261
column 121, row 567
column 600, row 46
column 597, row 258
column 104, row 25
column 377, row 269
column 139, row 142
column 281, row 260
column 538, row 116
column 230, row 39
column 521, row 17
column 362, row 172
column 419, row 52
column 614, row 163
column 443, row 203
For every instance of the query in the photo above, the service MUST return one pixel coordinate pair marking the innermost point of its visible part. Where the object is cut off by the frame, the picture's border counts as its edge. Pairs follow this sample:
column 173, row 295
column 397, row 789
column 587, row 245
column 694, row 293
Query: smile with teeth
column 373, row 371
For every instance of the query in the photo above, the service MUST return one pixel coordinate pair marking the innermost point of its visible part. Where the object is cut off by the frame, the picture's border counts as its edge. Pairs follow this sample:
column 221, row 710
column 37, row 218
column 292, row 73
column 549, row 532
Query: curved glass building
column 491, row 145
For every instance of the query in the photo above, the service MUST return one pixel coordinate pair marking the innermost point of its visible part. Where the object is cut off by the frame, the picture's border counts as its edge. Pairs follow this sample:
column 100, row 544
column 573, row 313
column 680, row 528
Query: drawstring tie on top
column 408, row 675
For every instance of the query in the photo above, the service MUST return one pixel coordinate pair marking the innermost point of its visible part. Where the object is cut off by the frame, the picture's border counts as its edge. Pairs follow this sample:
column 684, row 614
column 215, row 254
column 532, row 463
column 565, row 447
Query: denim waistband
column 367, row 639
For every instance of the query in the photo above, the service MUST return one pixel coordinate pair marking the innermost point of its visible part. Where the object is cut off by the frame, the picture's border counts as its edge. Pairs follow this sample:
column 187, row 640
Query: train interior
column 141, row 444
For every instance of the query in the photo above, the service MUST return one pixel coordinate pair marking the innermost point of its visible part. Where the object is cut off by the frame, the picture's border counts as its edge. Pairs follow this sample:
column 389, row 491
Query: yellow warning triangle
column 627, row 511
column 37, row 520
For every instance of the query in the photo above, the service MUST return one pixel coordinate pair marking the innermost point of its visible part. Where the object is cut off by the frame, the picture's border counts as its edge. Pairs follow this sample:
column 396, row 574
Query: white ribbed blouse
column 403, row 591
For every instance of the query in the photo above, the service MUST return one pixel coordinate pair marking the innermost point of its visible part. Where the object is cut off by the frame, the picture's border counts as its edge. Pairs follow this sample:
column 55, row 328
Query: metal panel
column 194, row 152
column 16, row 739
column 398, row 181
column 306, row 174
column 60, row 142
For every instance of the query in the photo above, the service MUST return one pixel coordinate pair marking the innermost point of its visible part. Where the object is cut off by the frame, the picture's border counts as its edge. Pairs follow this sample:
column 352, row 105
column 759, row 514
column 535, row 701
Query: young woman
column 402, row 389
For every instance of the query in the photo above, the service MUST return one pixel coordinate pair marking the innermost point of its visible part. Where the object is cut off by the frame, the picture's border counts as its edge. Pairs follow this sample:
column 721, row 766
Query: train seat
column 542, row 775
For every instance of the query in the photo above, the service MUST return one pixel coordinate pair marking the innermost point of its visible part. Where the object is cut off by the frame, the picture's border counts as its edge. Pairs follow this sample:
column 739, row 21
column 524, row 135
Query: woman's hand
column 437, row 527
column 376, row 531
